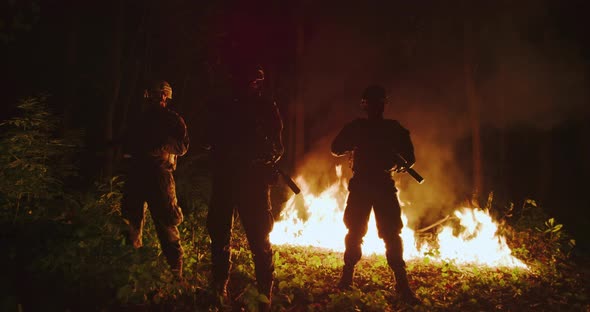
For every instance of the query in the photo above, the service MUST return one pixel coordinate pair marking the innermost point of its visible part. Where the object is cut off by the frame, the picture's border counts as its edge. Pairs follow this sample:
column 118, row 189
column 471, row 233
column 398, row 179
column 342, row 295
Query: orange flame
column 316, row 220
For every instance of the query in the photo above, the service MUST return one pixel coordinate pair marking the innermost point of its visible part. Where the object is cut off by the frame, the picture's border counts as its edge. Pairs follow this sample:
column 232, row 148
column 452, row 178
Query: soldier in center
column 375, row 143
column 244, row 136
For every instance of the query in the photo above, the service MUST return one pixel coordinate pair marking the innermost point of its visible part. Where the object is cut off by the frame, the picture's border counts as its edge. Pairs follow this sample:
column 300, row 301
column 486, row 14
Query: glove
column 399, row 168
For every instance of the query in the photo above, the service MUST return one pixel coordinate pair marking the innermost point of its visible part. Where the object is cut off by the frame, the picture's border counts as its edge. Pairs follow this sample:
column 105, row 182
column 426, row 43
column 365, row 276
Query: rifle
column 286, row 177
column 406, row 167
column 290, row 183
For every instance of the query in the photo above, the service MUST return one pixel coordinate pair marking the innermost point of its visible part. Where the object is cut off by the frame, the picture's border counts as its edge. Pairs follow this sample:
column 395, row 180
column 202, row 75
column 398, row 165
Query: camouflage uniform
column 244, row 143
column 374, row 144
column 155, row 141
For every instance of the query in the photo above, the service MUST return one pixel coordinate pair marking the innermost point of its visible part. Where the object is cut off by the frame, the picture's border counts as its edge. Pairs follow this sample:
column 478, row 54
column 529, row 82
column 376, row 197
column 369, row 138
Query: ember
column 316, row 220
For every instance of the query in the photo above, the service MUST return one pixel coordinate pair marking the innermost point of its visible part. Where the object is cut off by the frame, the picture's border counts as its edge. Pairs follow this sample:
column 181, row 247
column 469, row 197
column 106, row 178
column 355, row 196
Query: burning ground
column 316, row 220
column 86, row 264
column 462, row 262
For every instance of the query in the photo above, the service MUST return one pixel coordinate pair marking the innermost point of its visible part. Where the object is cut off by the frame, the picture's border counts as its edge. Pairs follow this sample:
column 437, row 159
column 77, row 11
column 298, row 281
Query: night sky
column 526, row 65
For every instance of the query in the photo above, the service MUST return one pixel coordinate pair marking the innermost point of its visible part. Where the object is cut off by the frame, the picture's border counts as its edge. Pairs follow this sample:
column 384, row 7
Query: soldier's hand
column 258, row 161
column 400, row 168
column 267, row 158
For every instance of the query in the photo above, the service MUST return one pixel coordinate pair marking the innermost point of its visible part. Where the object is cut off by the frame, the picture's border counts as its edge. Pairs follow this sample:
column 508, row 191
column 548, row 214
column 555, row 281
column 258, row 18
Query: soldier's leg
column 389, row 225
column 256, row 216
column 169, row 237
column 133, row 210
column 219, row 225
column 356, row 219
column 167, row 215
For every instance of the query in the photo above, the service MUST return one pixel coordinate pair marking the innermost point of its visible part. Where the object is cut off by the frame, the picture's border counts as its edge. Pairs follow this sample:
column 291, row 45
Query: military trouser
column 155, row 186
column 379, row 193
column 250, row 199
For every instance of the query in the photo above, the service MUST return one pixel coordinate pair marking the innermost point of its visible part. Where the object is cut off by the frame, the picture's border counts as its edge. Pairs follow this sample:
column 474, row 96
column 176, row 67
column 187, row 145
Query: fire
column 316, row 220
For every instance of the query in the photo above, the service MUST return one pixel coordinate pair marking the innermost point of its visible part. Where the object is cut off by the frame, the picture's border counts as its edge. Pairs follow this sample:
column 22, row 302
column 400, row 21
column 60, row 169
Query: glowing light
column 317, row 220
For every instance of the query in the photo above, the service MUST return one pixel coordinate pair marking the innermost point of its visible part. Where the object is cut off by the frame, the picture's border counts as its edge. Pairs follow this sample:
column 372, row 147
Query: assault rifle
column 290, row 183
column 286, row 177
column 407, row 168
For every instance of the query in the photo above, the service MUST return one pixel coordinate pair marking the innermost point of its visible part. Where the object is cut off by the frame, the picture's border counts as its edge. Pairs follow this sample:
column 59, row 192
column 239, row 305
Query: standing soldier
column 374, row 143
column 155, row 140
column 244, row 135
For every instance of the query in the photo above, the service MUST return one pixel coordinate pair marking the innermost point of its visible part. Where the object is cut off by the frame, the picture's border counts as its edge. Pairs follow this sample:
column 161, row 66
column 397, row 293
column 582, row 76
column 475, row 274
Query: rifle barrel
column 289, row 182
column 409, row 170
column 415, row 175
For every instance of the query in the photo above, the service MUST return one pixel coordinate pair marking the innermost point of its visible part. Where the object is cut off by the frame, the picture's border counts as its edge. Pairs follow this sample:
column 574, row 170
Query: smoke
column 338, row 65
column 538, row 83
column 434, row 132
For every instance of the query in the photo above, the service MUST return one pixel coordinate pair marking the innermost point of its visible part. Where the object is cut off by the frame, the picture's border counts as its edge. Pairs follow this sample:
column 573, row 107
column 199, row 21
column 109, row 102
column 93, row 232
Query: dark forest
column 496, row 97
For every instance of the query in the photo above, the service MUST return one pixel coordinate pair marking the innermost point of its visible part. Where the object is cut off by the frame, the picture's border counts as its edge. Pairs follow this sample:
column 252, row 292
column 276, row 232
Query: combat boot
column 346, row 278
column 402, row 288
column 265, row 288
column 176, row 271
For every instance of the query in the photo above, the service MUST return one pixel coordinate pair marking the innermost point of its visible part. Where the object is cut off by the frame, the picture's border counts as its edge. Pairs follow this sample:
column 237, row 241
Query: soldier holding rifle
column 244, row 135
column 152, row 146
column 376, row 145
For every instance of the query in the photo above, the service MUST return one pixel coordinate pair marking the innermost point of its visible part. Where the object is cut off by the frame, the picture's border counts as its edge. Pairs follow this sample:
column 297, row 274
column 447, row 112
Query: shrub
column 34, row 161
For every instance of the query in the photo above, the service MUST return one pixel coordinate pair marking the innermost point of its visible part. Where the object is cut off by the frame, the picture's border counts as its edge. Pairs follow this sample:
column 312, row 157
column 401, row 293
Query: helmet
column 374, row 93
column 160, row 86
column 373, row 100
column 247, row 71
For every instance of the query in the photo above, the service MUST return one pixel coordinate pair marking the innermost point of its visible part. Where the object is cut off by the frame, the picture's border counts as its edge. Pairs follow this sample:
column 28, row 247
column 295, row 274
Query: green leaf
column 124, row 292
column 283, row 284
column 263, row 298
column 557, row 227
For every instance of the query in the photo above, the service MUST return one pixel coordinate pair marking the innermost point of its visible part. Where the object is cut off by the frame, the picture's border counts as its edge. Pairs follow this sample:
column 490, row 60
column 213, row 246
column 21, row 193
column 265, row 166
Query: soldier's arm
column 344, row 141
column 406, row 148
column 278, row 149
column 177, row 141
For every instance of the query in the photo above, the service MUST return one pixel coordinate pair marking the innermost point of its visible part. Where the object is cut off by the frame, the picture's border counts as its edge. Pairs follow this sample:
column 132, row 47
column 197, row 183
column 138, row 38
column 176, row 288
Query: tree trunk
column 299, row 104
column 135, row 63
column 115, row 77
column 71, row 63
column 473, row 102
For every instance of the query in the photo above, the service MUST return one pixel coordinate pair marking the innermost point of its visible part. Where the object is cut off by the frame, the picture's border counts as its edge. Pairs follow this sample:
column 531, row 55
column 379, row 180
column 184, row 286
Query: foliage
column 536, row 237
column 21, row 17
column 82, row 261
column 34, row 161
column 87, row 258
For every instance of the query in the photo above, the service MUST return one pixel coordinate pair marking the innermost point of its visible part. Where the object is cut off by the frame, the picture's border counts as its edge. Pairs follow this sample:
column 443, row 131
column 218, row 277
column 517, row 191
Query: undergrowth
column 66, row 251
